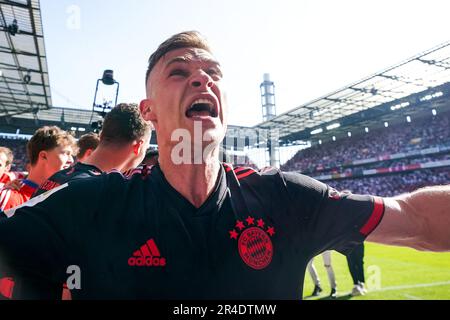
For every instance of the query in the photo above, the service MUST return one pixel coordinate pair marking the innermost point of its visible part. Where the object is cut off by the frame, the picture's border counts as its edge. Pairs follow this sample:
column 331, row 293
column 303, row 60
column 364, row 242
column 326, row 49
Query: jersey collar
column 89, row 166
column 30, row 183
column 211, row 205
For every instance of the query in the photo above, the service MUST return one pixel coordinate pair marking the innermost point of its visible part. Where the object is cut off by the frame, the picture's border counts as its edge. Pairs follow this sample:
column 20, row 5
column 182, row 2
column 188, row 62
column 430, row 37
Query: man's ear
column 137, row 146
column 88, row 152
column 43, row 155
column 146, row 110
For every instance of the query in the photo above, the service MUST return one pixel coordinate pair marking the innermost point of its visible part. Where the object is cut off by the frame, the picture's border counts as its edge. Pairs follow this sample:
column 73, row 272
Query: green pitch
column 392, row 273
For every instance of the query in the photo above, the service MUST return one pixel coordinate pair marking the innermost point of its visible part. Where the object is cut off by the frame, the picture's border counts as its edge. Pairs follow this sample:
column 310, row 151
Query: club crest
column 254, row 242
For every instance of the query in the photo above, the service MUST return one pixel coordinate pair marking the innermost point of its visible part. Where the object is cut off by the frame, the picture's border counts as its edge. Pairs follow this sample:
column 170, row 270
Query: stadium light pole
column 108, row 80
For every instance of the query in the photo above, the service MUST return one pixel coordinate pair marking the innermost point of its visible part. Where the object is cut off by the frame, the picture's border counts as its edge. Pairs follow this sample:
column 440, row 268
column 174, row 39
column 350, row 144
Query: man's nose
column 201, row 79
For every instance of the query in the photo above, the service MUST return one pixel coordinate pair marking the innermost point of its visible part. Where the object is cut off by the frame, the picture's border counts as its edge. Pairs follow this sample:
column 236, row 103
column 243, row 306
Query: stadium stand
column 387, row 161
column 375, row 146
column 18, row 147
column 391, row 185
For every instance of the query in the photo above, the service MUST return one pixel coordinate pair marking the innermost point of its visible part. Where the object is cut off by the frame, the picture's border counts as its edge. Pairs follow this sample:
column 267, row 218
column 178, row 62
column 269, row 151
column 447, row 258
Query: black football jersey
column 136, row 237
column 78, row 171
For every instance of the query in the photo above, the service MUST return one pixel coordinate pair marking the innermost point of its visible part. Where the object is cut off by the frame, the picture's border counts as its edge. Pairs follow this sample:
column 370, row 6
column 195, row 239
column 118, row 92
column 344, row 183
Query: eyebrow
column 175, row 60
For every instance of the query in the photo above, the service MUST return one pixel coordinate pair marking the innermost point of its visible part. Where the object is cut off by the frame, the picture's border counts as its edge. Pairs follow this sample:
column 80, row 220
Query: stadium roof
column 425, row 71
column 63, row 115
column 66, row 118
column 24, row 82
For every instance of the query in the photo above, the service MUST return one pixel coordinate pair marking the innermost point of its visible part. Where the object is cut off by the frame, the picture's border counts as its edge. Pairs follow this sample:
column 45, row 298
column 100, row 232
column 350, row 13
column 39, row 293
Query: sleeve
column 38, row 237
column 331, row 219
column 5, row 199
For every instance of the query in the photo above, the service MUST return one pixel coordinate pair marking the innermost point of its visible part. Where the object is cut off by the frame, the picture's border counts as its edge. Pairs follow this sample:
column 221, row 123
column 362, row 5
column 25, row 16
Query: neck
column 195, row 182
column 37, row 175
column 107, row 159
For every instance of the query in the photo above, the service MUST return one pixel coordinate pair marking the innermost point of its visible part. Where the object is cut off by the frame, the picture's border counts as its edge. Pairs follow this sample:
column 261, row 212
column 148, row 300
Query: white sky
column 310, row 48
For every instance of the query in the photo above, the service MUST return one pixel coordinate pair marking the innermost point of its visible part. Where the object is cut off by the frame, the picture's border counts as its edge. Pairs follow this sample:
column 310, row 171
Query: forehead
column 67, row 147
column 62, row 148
column 187, row 55
column 181, row 56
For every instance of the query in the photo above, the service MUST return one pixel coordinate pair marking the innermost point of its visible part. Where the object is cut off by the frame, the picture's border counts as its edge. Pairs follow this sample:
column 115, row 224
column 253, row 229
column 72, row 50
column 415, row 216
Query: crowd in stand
column 395, row 164
column 417, row 135
column 18, row 148
column 337, row 157
column 392, row 185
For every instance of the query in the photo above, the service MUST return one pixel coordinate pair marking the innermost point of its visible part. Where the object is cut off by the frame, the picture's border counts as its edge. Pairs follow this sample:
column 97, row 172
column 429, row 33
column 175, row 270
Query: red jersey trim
column 248, row 171
column 228, row 167
column 375, row 218
column 241, row 176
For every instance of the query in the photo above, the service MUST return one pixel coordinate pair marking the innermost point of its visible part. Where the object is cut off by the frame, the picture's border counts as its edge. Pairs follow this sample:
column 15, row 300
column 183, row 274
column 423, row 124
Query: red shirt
column 12, row 198
column 10, row 176
column 4, row 179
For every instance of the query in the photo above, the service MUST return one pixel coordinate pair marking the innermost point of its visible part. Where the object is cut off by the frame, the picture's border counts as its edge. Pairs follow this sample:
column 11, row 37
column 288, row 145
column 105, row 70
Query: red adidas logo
column 147, row 256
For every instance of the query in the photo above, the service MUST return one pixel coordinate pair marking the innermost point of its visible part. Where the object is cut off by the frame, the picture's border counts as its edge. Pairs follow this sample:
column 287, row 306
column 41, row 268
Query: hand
column 14, row 184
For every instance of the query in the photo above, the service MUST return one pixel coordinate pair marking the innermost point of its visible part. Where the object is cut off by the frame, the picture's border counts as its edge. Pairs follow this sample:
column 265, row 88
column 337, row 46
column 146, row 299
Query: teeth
column 202, row 101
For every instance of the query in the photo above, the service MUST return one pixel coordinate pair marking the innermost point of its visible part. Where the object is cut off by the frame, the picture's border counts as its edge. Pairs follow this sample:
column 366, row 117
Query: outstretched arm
column 420, row 220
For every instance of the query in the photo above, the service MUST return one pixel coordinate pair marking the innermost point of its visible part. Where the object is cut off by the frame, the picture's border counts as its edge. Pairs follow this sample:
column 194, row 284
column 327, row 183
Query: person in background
column 121, row 146
column 6, row 160
column 49, row 150
column 86, row 145
column 151, row 157
column 355, row 260
column 331, row 277
column 123, row 142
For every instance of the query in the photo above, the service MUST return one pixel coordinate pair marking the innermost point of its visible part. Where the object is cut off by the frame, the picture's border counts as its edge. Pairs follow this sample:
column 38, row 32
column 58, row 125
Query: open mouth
column 202, row 108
